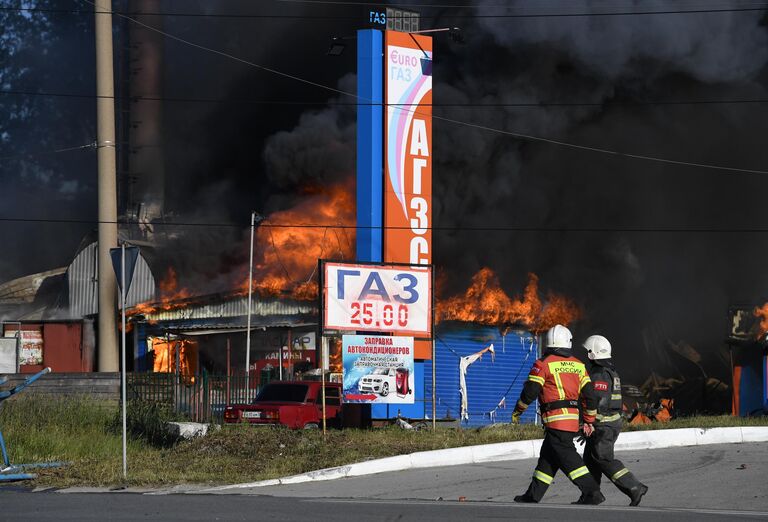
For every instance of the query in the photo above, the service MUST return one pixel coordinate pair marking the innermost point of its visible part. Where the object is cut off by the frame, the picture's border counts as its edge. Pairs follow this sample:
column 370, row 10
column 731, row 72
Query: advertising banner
column 31, row 347
column 376, row 298
column 408, row 149
column 378, row 369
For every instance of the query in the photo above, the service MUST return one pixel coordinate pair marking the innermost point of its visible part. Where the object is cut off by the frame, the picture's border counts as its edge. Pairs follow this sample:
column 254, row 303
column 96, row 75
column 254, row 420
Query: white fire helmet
column 597, row 347
column 558, row 337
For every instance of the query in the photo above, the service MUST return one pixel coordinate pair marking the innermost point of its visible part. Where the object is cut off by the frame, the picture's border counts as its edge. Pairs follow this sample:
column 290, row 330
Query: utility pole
column 105, row 115
column 248, row 323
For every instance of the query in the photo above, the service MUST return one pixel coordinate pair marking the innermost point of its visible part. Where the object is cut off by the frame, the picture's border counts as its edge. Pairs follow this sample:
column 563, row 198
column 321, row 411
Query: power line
column 244, row 101
column 754, row 7
column 441, row 118
column 174, row 14
column 601, row 150
column 91, row 145
column 249, row 16
column 230, row 56
column 460, row 228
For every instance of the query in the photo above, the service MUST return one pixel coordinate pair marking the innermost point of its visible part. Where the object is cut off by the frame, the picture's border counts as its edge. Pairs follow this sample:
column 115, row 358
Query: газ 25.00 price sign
column 377, row 298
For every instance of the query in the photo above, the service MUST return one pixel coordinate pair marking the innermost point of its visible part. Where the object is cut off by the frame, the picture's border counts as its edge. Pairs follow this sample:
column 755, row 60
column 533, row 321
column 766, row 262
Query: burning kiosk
column 212, row 332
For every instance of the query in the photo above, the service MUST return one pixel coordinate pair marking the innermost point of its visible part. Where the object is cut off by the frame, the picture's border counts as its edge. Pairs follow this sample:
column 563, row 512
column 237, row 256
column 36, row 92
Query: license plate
column 251, row 414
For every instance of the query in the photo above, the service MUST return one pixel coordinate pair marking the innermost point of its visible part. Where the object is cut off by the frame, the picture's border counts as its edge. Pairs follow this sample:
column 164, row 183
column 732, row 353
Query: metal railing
column 201, row 398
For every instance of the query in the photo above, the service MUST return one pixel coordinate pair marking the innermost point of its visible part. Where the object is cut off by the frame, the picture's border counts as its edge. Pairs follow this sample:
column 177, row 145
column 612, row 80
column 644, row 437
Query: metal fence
column 202, row 398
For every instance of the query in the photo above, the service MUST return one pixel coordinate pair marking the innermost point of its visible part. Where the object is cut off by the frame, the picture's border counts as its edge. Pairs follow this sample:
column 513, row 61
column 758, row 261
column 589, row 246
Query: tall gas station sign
column 394, row 168
column 407, row 149
column 394, row 147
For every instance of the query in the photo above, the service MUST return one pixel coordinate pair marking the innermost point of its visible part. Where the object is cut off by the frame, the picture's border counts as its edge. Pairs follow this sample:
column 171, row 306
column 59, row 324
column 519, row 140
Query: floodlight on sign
column 455, row 35
column 337, row 47
column 426, row 66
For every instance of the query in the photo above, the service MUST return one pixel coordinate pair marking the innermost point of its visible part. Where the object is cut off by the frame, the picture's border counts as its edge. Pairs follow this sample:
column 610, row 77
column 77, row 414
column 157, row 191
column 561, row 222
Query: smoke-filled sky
column 641, row 246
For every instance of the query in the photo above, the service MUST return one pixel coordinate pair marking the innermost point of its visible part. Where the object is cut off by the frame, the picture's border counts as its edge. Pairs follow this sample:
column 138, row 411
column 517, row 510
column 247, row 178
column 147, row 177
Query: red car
column 295, row 404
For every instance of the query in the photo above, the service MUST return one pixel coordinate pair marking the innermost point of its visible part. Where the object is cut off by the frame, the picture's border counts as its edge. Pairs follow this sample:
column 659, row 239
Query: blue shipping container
column 488, row 380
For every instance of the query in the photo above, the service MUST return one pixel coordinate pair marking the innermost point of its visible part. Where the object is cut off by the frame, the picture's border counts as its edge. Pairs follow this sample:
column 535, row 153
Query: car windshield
column 283, row 393
column 381, row 371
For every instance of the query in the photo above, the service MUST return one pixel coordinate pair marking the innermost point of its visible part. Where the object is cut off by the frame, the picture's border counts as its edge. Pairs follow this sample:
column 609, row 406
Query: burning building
column 748, row 346
column 212, row 330
column 485, row 344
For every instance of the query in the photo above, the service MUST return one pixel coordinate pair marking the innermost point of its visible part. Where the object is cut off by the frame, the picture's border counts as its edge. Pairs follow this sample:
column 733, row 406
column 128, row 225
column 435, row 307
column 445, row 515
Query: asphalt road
column 719, row 482
column 722, row 476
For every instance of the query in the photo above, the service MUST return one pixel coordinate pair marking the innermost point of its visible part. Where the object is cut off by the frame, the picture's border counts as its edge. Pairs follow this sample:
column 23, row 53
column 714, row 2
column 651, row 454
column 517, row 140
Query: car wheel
column 311, row 426
column 384, row 389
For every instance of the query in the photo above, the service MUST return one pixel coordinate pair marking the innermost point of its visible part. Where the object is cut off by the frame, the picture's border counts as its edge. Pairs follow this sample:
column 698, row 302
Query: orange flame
column 169, row 294
column 762, row 312
column 485, row 302
column 334, row 355
column 169, row 287
column 287, row 259
column 288, row 244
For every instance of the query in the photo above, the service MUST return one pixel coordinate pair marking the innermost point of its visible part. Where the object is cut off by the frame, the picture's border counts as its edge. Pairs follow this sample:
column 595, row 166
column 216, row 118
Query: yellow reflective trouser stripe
column 537, row 379
column 616, row 476
column 546, row 479
column 608, row 418
column 564, row 416
column 578, row 472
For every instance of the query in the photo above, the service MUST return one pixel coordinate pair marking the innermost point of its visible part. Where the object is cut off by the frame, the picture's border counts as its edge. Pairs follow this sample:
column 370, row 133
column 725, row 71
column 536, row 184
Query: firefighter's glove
column 516, row 417
column 580, row 439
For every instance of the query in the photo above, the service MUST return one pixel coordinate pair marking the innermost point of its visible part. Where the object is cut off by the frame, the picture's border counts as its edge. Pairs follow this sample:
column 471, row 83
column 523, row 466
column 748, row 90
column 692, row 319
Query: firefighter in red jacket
column 559, row 380
column 598, row 452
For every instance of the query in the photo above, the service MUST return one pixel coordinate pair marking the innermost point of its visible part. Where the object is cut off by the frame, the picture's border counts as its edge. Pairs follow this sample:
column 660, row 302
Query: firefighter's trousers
column 598, row 456
column 558, row 452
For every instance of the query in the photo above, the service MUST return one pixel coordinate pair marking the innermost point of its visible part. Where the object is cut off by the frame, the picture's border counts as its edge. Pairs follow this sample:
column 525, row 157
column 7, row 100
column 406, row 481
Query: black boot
column 591, row 499
column 526, row 499
column 636, row 494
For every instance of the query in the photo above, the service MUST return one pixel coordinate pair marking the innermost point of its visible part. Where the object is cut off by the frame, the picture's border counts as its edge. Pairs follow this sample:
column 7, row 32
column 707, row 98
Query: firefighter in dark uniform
column 598, row 452
column 559, row 380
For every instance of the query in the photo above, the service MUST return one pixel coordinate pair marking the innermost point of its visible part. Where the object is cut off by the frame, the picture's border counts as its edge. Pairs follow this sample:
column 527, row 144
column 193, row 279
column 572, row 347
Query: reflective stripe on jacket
column 557, row 378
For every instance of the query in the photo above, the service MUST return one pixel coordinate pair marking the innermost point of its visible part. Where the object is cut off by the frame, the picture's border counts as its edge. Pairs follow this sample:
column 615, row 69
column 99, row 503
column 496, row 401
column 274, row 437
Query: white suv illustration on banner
column 386, row 380
column 381, row 381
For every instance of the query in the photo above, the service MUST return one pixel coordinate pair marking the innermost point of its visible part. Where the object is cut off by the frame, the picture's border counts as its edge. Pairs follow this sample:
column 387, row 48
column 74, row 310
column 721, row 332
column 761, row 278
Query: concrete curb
column 526, row 449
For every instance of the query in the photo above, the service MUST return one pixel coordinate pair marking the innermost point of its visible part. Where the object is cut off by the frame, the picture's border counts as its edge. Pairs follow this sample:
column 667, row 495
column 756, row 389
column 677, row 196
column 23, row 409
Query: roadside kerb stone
column 519, row 450
column 431, row 459
column 753, row 434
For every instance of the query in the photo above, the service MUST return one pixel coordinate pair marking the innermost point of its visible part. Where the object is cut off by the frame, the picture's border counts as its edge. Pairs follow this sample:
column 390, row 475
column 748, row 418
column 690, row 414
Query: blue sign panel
column 370, row 87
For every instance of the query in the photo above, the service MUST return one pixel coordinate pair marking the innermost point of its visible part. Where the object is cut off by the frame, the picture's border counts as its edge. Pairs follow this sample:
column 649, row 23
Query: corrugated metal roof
column 82, row 278
column 233, row 306
column 215, row 327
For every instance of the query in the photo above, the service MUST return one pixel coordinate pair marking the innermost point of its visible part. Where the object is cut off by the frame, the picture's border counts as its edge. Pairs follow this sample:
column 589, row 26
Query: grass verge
column 86, row 434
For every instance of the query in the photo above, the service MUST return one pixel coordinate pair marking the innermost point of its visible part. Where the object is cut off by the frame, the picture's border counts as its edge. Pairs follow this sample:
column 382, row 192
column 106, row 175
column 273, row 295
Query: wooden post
column 323, row 345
